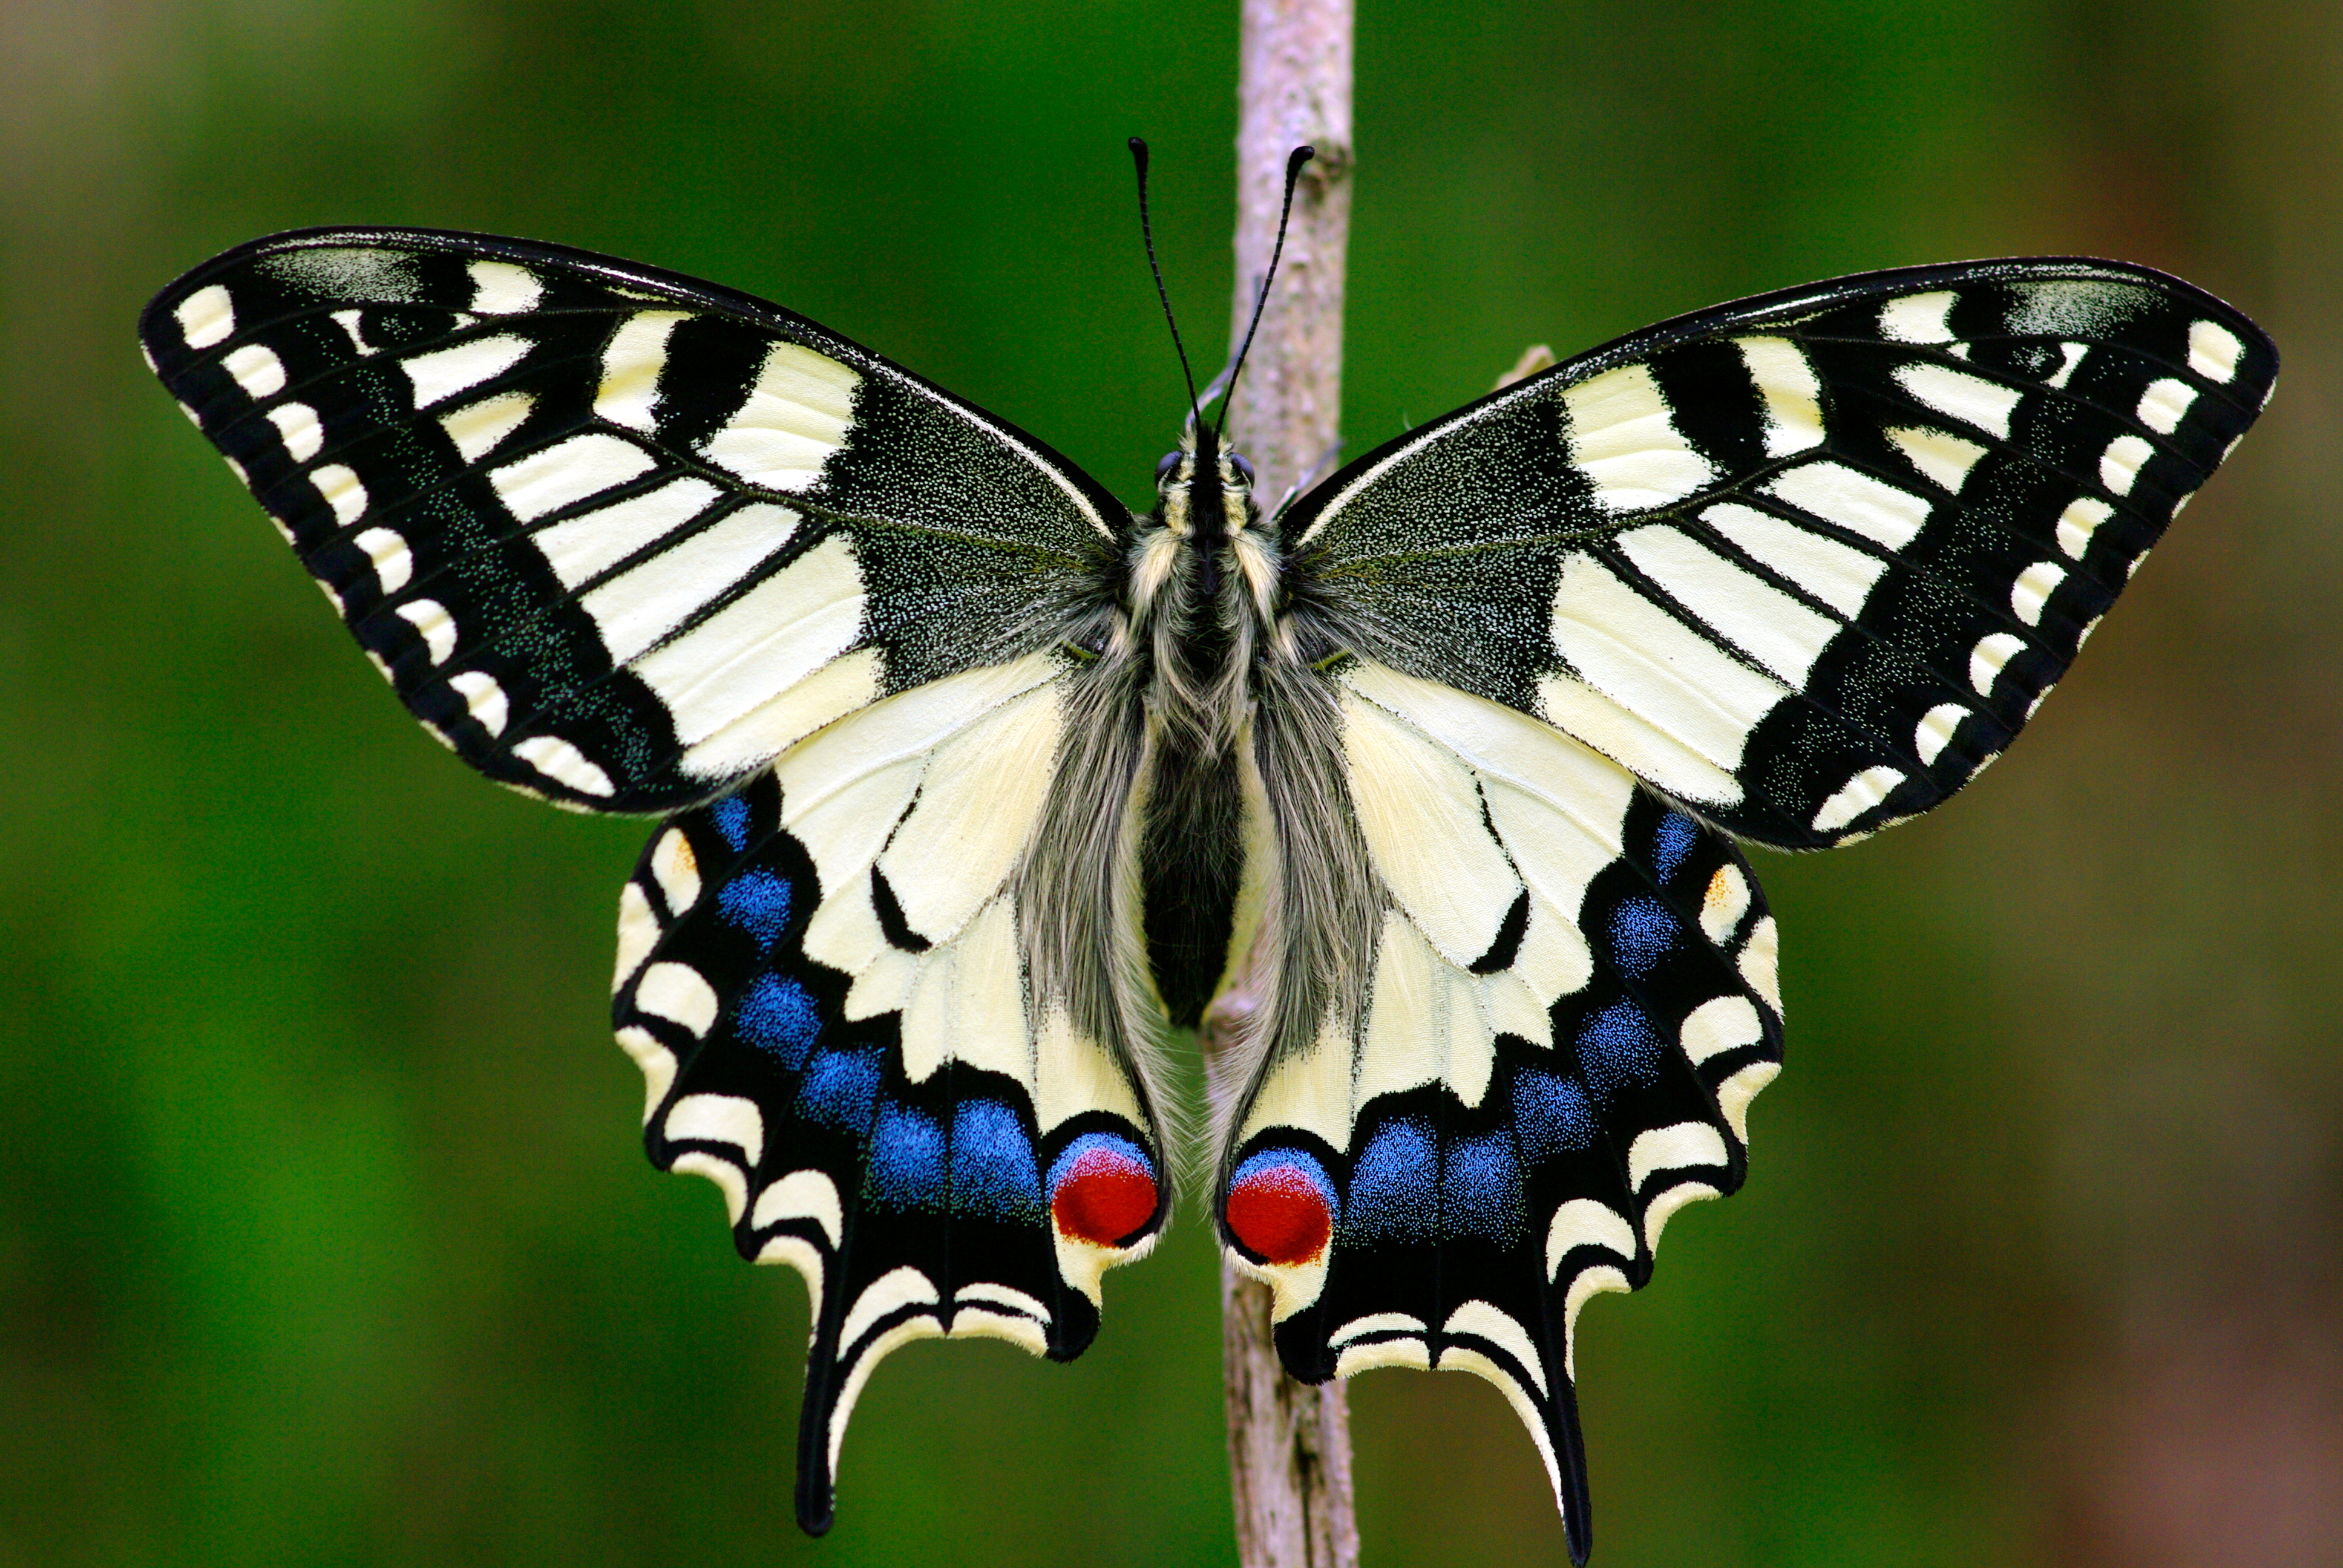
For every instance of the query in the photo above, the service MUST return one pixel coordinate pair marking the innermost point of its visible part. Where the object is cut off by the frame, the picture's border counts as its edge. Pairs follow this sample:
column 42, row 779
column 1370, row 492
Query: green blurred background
column 324, row 1237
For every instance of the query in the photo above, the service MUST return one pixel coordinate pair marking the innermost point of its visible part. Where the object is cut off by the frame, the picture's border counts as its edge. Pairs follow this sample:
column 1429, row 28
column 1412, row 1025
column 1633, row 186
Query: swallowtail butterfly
column 972, row 783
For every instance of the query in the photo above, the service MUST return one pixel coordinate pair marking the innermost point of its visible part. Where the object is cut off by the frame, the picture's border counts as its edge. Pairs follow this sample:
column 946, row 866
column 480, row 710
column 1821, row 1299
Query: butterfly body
column 1202, row 596
column 975, row 785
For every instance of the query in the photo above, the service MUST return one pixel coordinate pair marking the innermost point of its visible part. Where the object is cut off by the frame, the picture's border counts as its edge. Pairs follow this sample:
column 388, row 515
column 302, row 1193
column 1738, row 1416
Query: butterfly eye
column 1244, row 468
column 1171, row 460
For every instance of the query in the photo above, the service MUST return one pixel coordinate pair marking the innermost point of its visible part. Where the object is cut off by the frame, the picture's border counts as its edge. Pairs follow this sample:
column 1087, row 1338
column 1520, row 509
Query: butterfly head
column 1204, row 490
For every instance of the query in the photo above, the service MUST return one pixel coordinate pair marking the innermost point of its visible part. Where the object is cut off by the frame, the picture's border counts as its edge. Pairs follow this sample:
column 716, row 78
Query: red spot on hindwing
column 1103, row 1195
column 1279, row 1213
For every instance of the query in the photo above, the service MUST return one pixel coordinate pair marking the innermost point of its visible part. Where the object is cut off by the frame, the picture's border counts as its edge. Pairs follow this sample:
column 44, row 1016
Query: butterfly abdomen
column 1190, row 867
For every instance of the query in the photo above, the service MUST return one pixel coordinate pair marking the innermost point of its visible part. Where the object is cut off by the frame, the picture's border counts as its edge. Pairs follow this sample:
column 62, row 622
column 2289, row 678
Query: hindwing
column 1806, row 562
column 618, row 537
column 1569, row 1004
column 825, row 979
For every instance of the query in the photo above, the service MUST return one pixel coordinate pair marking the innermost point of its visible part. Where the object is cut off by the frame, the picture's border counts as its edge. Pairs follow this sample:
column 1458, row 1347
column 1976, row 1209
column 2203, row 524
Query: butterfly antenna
column 1147, row 234
column 1293, row 161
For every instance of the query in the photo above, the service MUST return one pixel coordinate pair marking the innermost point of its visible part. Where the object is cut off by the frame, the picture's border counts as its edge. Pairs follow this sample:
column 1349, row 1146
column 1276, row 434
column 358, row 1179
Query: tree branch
column 1289, row 1446
column 1293, row 88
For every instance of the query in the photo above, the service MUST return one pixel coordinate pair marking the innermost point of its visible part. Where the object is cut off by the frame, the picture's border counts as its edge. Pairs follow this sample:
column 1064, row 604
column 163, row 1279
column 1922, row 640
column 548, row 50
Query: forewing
column 618, row 537
column 1569, row 1005
column 823, row 978
column 1809, row 561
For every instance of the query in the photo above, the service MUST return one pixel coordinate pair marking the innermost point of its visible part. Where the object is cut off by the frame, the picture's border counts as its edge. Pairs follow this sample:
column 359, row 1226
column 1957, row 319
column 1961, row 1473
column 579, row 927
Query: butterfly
column 973, row 784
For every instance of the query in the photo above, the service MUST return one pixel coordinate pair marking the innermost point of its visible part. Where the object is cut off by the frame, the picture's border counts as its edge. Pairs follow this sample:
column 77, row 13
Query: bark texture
column 1289, row 1446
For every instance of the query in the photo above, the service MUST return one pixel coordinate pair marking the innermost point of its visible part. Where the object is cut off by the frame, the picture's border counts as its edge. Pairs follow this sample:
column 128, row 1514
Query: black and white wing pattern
column 825, row 981
column 1807, row 562
column 1789, row 569
column 618, row 537
column 1571, row 1004
column 621, row 539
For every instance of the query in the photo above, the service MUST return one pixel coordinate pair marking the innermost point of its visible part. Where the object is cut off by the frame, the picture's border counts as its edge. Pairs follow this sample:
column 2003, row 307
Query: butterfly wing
column 623, row 539
column 617, row 536
column 1809, row 561
column 1569, row 1003
column 1801, row 566
column 825, row 980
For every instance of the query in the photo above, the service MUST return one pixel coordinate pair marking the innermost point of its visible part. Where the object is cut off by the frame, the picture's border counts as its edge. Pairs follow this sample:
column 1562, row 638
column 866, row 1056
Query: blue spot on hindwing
column 841, row 1088
column 1642, row 932
column 1395, row 1186
column 1405, row 1187
column 1551, row 1115
column 906, row 1159
column 992, row 1169
column 732, row 818
column 778, row 1015
column 758, row 901
column 1481, row 1191
column 1618, row 1049
column 1677, row 836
